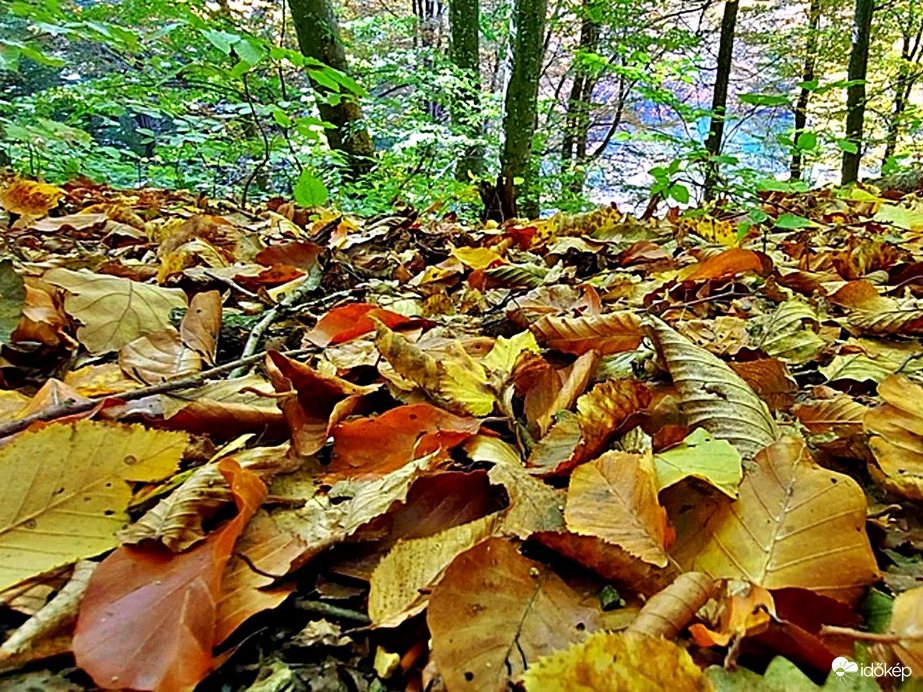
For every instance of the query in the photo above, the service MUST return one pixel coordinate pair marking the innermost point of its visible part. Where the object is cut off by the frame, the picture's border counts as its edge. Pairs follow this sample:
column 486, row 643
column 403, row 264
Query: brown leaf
column 351, row 321
column 201, row 325
column 158, row 357
column 906, row 619
column 871, row 313
column 31, row 198
column 608, row 333
column 727, row 264
column 714, row 396
column 794, row 524
column 263, row 546
column 670, row 610
column 496, row 612
column 615, row 498
column 315, row 402
column 770, row 380
column 896, row 427
column 601, row 414
column 147, row 621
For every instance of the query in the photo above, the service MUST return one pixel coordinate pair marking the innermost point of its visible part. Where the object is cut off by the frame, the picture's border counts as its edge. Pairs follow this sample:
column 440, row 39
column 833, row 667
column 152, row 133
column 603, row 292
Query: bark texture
column 720, row 96
column 465, row 54
column 855, row 94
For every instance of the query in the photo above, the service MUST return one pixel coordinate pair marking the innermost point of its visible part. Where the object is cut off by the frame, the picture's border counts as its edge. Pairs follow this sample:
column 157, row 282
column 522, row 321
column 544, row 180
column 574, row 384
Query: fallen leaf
column 147, row 621
column 794, row 524
column 668, row 611
column 606, row 333
column 617, row 661
column 699, row 456
column 727, row 264
column 907, row 625
column 714, row 396
column 614, row 498
column 69, row 506
column 114, row 311
column 495, row 613
column 30, row 197
column 158, row 357
column 896, row 429
column 368, row 447
column 12, row 300
column 402, row 580
column 348, row 322
column 201, row 325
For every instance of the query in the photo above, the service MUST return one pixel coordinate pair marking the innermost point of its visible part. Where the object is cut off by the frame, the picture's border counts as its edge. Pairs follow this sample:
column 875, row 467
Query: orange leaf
column 610, row 333
column 201, row 325
column 376, row 446
column 726, row 265
column 350, row 321
column 32, row 198
column 147, row 621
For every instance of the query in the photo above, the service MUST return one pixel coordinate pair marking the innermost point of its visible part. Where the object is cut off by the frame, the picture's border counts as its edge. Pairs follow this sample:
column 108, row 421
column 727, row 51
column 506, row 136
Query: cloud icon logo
column 841, row 666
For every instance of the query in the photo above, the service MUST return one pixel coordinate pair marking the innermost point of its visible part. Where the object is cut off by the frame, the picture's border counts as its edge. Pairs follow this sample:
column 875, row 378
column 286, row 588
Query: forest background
column 548, row 105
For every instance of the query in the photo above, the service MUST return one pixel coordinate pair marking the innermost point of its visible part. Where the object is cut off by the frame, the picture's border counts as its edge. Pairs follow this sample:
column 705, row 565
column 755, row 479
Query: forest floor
column 292, row 449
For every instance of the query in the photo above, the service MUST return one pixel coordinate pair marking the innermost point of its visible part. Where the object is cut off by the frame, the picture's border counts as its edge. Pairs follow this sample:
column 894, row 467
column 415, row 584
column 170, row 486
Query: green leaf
column 793, row 222
column 220, row 39
column 250, row 51
column 679, row 192
column 700, row 456
column 806, row 141
column 758, row 215
column 281, row 117
column 310, row 190
column 847, row 146
column 773, row 185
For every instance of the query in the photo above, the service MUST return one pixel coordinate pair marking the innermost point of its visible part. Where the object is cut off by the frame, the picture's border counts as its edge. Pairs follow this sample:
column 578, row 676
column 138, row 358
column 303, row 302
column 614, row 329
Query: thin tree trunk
column 521, row 110
column 855, row 95
column 906, row 79
column 319, row 38
column 577, row 121
column 808, row 74
column 720, row 96
column 465, row 54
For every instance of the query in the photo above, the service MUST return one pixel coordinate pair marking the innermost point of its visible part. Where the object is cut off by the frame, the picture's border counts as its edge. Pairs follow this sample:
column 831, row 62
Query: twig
column 328, row 610
column 859, row 635
column 230, row 283
column 270, row 316
column 75, row 407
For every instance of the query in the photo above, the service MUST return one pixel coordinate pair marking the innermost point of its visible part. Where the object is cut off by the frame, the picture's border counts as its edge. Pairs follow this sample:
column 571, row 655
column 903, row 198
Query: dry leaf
column 670, row 610
column 70, row 505
column 147, row 621
column 495, row 612
column 30, row 198
column 714, row 396
column 609, row 333
column 114, row 311
column 609, row 661
column 201, row 325
column 158, row 357
column 896, row 427
column 793, row 524
column 615, row 498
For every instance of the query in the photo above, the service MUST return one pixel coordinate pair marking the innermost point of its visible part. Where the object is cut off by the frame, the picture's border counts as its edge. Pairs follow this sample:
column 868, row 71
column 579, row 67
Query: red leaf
column 147, row 621
column 350, row 321
column 376, row 446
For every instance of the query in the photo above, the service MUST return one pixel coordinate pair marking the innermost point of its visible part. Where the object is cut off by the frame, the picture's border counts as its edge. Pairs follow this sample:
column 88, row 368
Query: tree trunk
column 855, row 94
column 720, row 96
column 906, row 78
column 521, row 110
column 319, row 38
column 808, row 74
column 465, row 54
column 577, row 121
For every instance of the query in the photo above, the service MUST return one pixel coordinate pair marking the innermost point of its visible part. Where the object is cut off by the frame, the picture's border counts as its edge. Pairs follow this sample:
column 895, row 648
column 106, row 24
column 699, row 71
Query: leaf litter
column 415, row 453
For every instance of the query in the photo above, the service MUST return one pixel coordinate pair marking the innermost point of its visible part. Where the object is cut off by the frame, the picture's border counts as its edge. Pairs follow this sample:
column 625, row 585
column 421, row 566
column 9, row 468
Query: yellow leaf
column 400, row 584
column 464, row 383
column 477, row 257
column 113, row 310
column 32, row 198
column 617, row 661
column 503, row 356
column 64, row 490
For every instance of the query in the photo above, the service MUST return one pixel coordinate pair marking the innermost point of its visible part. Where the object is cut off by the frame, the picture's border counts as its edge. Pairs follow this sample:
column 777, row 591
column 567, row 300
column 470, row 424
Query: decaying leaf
column 71, row 504
column 671, row 609
column 495, row 612
column 699, row 456
column 147, row 621
column 608, row 333
column 714, row 396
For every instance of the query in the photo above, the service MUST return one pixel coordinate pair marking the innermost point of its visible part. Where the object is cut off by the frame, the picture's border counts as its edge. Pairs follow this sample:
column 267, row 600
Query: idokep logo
column 842, row 667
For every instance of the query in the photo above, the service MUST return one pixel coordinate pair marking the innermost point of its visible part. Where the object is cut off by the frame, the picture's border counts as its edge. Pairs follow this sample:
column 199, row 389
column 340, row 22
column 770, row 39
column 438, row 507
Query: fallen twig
column 75, row 407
